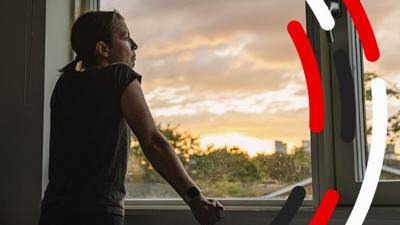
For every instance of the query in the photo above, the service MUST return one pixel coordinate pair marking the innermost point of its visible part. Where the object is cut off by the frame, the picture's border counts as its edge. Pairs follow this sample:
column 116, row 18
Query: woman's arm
column 155, row 146
column 162, row 156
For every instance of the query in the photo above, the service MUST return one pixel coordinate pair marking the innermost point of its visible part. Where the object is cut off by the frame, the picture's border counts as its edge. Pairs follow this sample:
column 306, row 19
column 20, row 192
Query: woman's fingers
column 220, row 209
column 208, row 217
column 210, row 212
column 204, row 217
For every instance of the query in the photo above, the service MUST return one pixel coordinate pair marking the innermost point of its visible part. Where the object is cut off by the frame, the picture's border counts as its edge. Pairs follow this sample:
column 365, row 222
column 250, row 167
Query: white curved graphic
column 376, row 153
column 322, row 13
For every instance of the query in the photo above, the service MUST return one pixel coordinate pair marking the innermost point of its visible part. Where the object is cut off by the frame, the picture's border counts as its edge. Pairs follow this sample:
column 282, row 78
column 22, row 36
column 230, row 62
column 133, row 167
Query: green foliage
column 184, row 143
column 225, row 188
column 223, row 164
column 285, row 167
column 223, row 171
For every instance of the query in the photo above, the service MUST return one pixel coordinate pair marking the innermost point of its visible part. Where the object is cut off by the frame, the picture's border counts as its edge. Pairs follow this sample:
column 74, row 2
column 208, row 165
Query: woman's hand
column 206, row 211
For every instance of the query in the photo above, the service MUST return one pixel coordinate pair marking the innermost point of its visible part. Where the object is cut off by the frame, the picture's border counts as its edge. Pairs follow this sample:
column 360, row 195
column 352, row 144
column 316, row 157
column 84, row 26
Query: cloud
column 172, row 26
column 218, row 46
column 219, row 66
column 384, row 19
column 216, row 66
column 280, row 115
column 290, row 126
column 170, row 101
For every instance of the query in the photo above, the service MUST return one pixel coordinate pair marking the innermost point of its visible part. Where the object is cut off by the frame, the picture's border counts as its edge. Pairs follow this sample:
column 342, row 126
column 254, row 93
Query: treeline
column 227, row 164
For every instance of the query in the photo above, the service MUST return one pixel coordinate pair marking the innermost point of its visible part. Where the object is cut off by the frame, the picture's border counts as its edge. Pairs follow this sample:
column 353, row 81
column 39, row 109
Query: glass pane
column 225, row 85
column 384, row 19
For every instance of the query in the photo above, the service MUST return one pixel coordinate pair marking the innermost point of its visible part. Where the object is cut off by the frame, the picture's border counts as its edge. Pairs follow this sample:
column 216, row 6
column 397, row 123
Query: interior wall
column 21, row 115
column 59, row 18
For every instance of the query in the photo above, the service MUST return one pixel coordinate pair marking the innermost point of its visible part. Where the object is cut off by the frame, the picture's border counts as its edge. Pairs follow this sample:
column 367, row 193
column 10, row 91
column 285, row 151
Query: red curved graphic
column 326, row 208
column 364, row 29
column 312, row 74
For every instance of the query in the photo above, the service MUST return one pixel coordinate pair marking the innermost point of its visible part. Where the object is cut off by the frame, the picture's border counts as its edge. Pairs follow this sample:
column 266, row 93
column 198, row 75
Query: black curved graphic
column 347, row 96
column 290, row 207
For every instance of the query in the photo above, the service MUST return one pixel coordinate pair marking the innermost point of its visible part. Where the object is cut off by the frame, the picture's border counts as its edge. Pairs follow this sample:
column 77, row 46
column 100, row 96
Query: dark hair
column 87, row 30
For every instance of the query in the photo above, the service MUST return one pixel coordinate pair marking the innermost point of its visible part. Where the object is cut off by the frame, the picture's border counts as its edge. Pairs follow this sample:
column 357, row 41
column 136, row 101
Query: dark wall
column 21, row 114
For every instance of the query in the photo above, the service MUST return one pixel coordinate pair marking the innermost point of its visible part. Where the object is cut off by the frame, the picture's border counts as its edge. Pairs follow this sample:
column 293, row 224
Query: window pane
column 224, row 83
column 384, row 19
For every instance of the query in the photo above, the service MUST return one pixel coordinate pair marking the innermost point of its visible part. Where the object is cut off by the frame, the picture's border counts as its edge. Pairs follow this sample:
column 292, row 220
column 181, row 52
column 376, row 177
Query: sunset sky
column 227, row 69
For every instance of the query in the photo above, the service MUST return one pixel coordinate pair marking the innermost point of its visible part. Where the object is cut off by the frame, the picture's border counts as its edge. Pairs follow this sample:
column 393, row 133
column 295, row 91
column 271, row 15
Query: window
column 225, row 84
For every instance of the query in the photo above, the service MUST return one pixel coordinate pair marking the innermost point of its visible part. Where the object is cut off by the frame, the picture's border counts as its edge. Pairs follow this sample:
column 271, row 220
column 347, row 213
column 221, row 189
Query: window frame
column 81, row 6
column 322, row 151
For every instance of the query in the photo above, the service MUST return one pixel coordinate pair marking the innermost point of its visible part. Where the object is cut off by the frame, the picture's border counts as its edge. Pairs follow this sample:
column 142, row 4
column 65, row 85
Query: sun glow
column 249, row 144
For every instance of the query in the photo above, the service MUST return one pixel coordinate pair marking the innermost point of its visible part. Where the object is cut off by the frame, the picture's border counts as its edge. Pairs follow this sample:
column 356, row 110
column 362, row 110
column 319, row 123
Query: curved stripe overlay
column 322, row 13
column 291, row 206
column 347, row 95
column 364, row 29
column 326, row 208
column 312, row 74
column 376, row 153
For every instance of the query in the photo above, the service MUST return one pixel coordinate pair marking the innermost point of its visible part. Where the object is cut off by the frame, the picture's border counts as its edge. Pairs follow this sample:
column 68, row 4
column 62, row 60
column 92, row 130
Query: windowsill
column 341, row 212
column 157, row 206
column 170, row 206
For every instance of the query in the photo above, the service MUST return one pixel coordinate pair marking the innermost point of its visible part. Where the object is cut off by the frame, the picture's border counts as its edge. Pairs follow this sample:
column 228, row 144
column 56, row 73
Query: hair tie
column 79, row 64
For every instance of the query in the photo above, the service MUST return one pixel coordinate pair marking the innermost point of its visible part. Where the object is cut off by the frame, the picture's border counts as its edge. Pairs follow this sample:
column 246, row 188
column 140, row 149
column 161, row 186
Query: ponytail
column 71, row 66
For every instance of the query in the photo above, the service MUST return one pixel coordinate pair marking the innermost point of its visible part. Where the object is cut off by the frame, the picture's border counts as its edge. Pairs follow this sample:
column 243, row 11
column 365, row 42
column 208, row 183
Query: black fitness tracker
column 191, row 193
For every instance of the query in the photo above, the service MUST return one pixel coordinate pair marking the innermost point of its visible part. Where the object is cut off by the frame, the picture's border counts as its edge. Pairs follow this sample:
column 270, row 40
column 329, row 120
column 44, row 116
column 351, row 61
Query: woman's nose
column 134, row 46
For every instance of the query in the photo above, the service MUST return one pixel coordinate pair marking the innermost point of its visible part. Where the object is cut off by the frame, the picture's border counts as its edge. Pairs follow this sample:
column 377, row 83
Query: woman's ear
column 102, row 49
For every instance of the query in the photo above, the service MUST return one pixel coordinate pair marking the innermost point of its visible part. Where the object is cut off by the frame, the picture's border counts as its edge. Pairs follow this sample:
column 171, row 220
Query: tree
column 286, row 168
column 220, row 171
column 225, row 163
column 183, row 142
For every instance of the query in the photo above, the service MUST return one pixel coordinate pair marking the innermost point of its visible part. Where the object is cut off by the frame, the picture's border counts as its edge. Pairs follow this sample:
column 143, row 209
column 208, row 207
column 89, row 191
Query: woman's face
column 122, row 49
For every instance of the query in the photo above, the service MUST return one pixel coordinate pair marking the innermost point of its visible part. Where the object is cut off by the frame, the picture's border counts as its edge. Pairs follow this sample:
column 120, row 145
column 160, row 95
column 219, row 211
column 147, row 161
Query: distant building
column 306, row 145
column 280, row 147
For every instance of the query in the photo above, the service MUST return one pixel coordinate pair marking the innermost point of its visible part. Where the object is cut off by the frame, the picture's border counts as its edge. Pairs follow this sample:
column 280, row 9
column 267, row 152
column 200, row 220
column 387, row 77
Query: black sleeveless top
column 89, row 141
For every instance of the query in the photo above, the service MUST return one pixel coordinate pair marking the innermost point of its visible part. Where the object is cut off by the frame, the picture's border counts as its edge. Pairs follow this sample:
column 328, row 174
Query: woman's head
column 101, row 38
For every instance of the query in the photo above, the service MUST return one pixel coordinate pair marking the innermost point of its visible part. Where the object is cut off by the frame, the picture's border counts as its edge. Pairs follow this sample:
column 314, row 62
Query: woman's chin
column 132, row 63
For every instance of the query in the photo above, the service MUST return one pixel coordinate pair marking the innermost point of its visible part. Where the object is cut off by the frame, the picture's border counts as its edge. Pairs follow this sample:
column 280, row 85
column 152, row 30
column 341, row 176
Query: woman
column 95, row 101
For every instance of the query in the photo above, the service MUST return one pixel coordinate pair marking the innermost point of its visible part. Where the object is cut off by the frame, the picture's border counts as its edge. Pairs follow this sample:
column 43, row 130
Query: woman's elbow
column 153, row 141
